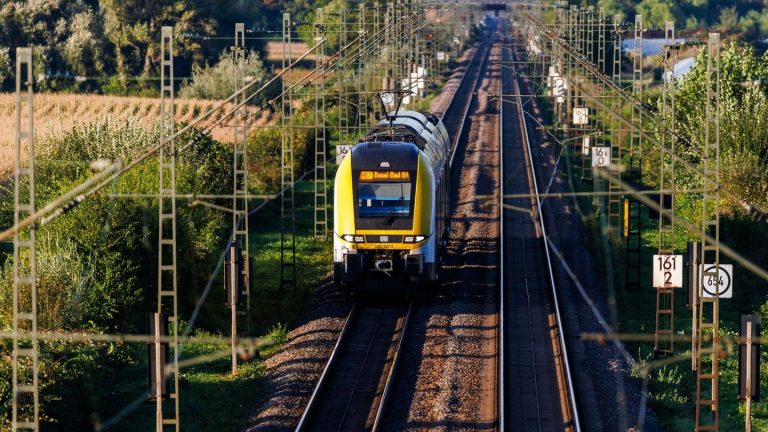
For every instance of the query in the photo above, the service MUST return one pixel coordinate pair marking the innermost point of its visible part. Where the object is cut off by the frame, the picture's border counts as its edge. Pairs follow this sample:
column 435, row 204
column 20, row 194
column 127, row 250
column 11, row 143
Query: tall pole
column 634, row 208
column 25, row 387
column 343, row 94
column 748, row 395
column 240, row 191
column 665, row 296
column 362, row 100
column 287, row 203
column 614, row 186
column 167, row 280
column 708, row 338
column 320, row 187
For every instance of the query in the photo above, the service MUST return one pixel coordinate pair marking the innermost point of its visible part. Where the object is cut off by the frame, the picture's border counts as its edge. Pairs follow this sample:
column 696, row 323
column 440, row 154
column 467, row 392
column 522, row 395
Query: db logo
column 384, row 238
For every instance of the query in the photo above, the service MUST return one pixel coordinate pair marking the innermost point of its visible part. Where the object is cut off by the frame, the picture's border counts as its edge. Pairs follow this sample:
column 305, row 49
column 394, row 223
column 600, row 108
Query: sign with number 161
column 667, row 271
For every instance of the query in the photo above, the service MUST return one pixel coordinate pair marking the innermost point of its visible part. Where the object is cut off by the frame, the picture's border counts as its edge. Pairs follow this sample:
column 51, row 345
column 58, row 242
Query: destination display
column 378, row 176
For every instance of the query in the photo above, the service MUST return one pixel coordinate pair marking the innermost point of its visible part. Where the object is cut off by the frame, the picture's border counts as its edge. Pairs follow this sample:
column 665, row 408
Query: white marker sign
column 341, row 151
column 601, row 156
column 585, row 146
column 580, row 116
column 667, row 271
column 724, row 285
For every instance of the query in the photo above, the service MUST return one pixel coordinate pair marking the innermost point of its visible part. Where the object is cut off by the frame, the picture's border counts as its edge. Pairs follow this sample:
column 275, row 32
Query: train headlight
column 353, row 238
column 414, row 239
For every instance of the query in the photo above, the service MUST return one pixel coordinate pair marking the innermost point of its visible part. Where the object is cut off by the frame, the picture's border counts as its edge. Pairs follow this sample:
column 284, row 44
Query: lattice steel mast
column 665, row 297
column 320, row 186
column 287, row 203
column 240, row 165
column 25, row 386
column 167, row 278
column 635, row 171
column 614, row 186
column 708, row 337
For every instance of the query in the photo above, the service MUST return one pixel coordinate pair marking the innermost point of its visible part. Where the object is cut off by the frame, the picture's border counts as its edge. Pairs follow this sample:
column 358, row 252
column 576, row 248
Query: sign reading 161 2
column 667, row 271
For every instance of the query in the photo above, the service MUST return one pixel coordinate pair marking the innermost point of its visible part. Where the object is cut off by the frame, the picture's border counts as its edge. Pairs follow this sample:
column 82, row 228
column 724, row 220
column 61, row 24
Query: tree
column 656, row 12
column 743, row 122
column 133, row 27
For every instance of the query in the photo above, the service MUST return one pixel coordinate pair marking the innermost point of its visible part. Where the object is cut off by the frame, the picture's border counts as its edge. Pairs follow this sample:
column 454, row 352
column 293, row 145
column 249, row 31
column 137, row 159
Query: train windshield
column 383, row 200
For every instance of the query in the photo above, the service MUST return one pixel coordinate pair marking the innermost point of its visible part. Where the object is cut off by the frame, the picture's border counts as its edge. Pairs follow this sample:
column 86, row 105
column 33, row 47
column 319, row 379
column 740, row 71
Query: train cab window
column 384, row 200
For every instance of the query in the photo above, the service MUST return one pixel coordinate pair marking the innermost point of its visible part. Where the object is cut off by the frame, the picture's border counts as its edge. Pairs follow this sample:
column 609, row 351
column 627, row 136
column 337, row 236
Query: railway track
column 354, row 387
column 533, row 352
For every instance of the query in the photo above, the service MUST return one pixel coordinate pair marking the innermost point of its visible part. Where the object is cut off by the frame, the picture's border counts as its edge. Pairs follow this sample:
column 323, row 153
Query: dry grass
column 60, row 112
column 296, row 50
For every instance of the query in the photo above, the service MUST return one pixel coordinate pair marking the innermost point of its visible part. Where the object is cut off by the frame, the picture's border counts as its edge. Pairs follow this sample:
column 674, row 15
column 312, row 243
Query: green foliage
column 218, row 81
column 743, row 18
column 744, row 124
column 62, row 275
column 111, row 41
column 656, row 12
column 264, row 152
column 279, row 333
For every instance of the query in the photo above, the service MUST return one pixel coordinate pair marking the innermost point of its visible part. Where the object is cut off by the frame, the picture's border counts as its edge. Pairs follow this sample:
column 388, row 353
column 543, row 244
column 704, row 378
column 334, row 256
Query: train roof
column 424, row 129
column 419, row 128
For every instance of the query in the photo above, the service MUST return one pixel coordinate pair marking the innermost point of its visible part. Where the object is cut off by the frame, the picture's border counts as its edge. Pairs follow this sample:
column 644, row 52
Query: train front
column 384, row 216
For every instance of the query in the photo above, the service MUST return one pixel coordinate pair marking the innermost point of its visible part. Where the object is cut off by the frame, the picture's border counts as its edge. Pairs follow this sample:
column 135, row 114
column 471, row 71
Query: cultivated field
column 59, row 112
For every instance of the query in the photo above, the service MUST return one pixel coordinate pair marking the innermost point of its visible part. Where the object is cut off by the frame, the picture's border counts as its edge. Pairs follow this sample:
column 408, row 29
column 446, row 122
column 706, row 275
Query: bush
column 218, row 82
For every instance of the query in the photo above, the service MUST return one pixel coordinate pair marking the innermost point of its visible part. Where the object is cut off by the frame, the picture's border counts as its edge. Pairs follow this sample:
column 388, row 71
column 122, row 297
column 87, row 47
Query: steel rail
column 553, row 285
column 500, row 343
column 392, row 369
column 335, row 361
column 470, row 99
column 326, row 370
column 502, row 334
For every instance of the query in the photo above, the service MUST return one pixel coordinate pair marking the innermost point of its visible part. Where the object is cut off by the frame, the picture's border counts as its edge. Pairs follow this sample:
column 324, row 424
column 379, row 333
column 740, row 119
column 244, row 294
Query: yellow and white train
column 391, row 201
